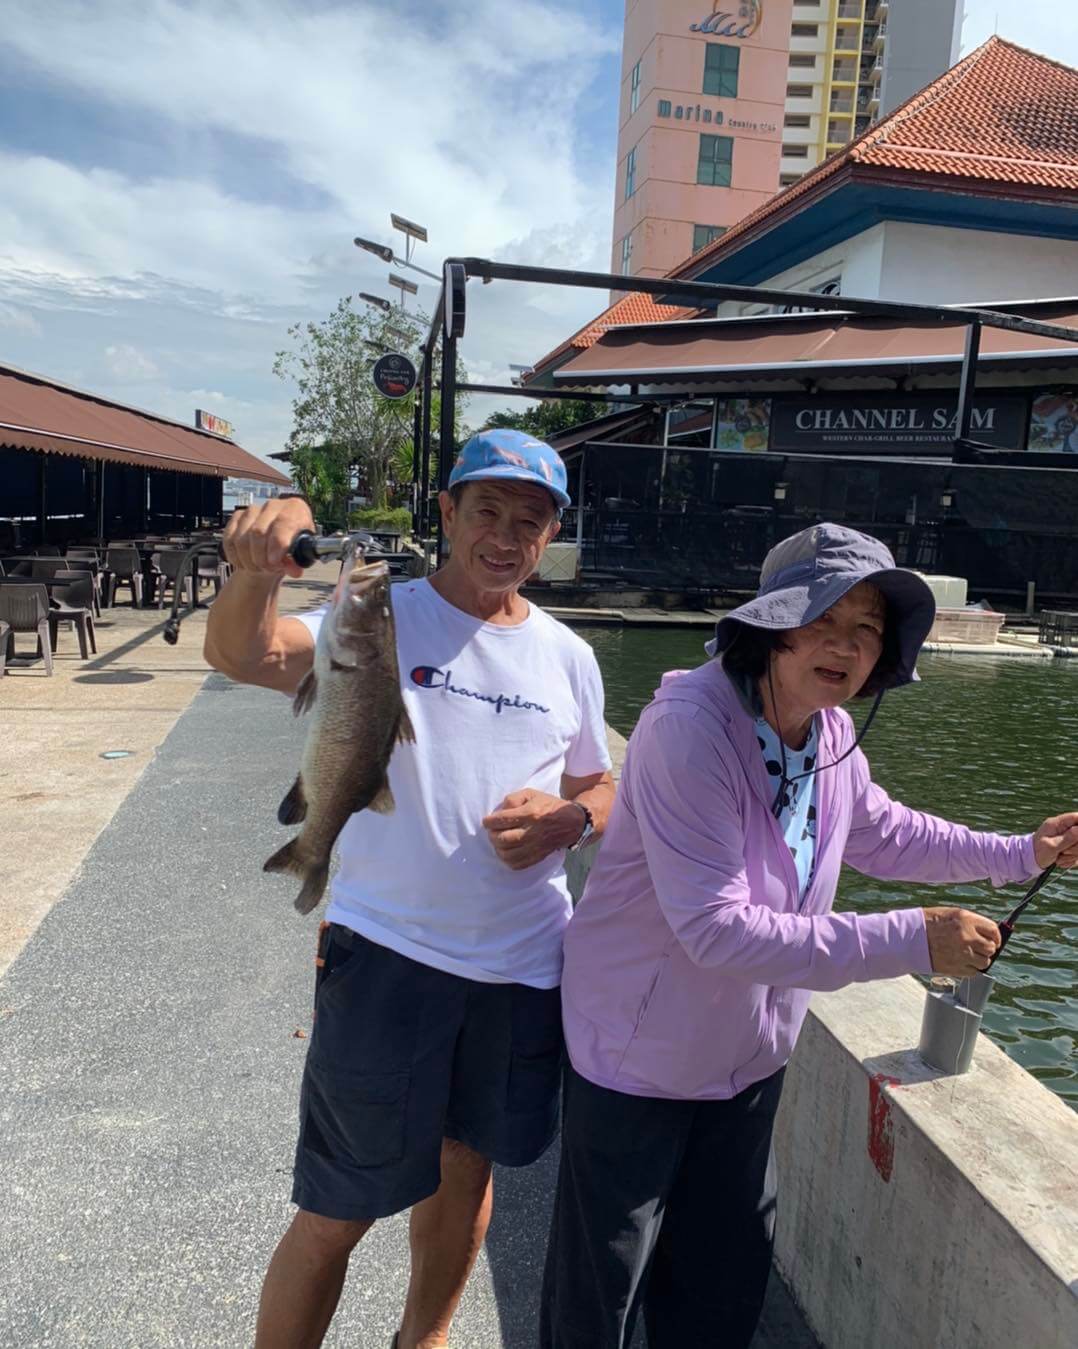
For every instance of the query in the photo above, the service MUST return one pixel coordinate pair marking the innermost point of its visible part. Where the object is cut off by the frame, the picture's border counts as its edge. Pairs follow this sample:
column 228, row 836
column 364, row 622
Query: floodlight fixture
column 382, row 251
column 408, row 227
column 403, row 284
column 378, row 301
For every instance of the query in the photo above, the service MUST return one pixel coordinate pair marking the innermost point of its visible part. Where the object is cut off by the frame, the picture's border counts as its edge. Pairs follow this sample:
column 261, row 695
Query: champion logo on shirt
column 430, row 677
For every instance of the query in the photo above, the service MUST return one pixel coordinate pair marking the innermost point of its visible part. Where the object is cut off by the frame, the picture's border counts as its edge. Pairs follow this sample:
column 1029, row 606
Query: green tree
column 323, row 474
column 340, row 421
column 549, row 417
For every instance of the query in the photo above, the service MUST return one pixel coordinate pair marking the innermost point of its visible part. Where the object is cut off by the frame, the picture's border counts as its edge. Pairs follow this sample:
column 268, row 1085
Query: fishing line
column 1006, row 930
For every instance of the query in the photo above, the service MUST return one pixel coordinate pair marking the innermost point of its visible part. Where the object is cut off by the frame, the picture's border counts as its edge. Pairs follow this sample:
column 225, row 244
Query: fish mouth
column 367, row 574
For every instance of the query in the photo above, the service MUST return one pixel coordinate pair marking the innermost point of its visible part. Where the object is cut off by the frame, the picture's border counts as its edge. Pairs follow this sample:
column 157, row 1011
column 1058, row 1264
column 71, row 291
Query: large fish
column 359, row 716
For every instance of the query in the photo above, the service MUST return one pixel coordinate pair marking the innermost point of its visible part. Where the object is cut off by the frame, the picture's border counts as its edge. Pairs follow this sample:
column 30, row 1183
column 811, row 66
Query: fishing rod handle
column 303, row 550
column 307, row 548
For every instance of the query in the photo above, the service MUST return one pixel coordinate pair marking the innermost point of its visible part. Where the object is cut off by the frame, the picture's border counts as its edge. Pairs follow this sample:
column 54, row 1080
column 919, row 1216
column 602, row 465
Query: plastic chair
column 209, row 570
column 123, row 566
column 87, row 559
column 25, row 608
column 44, row 569
column 5, row 642
column 46, row 550
column 166, row 567
column 72, row 604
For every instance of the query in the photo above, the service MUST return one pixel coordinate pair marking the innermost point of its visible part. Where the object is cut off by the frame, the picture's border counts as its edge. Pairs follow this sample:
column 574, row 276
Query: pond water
column 992, row 743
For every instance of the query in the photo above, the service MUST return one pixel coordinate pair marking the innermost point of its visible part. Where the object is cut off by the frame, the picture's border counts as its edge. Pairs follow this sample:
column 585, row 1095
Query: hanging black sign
column 912, row 423
column 394, row 375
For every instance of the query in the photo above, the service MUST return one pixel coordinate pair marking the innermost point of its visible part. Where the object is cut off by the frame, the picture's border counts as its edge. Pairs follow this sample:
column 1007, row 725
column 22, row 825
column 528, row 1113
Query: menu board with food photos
column 742, row 423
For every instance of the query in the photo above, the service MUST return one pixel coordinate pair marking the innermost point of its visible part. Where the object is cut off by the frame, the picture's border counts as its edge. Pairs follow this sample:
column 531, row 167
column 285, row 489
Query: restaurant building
column 75, row 466
column 777, row 416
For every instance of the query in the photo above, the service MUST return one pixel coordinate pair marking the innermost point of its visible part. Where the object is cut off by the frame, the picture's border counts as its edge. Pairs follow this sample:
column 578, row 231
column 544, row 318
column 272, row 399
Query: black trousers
column 665, row 1206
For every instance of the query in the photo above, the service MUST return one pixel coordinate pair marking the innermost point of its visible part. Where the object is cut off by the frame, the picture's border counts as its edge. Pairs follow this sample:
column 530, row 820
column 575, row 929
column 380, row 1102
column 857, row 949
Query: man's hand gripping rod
column 305, row 550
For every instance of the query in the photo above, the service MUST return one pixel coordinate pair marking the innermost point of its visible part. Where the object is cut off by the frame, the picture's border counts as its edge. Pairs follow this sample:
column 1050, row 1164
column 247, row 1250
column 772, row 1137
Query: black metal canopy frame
column 450, row 314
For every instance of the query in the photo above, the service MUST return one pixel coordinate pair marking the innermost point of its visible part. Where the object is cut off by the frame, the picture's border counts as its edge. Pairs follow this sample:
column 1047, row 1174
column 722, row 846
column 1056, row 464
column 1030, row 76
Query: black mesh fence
column 704, row 519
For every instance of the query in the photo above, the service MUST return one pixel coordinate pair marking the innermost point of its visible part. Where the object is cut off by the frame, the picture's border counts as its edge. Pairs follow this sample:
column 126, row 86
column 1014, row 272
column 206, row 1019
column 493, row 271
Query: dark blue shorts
column 403, row 1056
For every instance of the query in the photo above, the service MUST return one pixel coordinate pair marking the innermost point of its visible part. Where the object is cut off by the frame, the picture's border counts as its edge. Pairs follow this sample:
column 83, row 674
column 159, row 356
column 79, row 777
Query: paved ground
column 148, row 1032
column 56, row 791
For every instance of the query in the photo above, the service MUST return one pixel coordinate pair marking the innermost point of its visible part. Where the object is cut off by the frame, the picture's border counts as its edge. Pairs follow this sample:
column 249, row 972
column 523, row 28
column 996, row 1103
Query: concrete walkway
column 56, row 791
column 151, row 1033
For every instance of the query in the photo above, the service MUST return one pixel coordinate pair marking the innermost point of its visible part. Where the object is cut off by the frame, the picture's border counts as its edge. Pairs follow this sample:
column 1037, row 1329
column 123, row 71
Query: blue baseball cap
column 511, row 456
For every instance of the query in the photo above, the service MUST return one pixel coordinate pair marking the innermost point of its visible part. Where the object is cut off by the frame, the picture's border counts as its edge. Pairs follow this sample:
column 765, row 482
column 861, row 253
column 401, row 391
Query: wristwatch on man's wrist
column 586, row 832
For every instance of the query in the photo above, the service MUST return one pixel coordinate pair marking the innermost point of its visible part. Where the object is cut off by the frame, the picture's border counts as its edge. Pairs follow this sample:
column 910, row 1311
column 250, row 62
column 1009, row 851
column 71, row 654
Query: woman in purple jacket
column 706, row 924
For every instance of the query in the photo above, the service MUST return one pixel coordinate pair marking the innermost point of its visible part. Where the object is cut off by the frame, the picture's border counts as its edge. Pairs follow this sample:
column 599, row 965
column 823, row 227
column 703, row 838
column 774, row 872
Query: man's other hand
column 529, row 825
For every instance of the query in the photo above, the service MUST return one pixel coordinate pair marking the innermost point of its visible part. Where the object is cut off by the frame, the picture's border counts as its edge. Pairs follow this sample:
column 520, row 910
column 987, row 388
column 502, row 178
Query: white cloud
column 463, row 118
column 129, row 364
column 21, row 320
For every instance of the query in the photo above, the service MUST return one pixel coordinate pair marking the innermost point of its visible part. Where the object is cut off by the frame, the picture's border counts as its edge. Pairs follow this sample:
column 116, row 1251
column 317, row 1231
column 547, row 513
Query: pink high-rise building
column 703, row 91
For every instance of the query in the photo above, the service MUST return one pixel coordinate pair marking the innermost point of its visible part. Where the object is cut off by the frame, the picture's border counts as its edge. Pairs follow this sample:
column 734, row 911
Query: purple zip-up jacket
column 690, row 960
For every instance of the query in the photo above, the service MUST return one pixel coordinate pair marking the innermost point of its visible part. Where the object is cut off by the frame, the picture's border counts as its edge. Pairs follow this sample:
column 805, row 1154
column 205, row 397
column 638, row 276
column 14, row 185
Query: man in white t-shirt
column 437, row 1043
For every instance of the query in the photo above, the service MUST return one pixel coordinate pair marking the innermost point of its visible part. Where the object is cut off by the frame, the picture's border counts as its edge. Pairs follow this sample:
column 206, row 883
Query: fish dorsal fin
column 382, row 801
column 306, row 691
column 405, row 733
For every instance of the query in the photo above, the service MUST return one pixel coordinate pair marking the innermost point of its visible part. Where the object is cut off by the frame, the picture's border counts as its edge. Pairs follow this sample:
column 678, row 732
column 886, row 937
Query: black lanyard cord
column 784, row 781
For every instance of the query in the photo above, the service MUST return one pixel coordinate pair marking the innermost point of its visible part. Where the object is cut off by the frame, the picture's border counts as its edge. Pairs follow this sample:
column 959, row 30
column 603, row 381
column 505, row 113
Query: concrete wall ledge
column 917, row 1209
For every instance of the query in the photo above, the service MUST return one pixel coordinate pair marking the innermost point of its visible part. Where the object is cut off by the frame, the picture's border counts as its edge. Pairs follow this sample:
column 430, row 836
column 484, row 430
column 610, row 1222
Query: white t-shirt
column 495, row 709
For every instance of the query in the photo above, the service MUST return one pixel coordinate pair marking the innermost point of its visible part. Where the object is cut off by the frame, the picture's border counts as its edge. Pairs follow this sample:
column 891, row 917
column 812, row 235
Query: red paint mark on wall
column 881, row 1126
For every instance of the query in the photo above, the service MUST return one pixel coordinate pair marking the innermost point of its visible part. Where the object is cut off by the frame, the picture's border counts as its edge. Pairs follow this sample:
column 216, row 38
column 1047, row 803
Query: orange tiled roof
column 1002, row 115
column 632, row 308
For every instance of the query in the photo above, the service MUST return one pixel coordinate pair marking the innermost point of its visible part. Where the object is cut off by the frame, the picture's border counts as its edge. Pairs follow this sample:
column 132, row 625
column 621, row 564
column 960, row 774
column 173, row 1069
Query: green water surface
column 990, row 742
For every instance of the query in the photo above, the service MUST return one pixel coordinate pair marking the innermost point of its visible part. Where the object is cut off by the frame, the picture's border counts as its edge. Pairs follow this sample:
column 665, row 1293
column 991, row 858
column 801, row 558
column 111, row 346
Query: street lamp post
column 405, row 286
column 413, row 234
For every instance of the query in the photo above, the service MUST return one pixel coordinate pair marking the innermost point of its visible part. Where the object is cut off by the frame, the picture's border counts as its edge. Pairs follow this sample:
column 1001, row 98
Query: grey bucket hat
column 803, row 576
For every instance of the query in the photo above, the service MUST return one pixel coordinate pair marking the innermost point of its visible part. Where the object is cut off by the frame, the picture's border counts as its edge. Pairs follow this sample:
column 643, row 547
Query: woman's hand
column 1057, row 841
column 960, row 942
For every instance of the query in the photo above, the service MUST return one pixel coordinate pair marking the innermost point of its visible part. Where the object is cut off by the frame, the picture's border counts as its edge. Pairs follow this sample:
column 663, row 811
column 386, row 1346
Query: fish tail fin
column 405, row 732
column 314, row 887
column 382, row 801
column 315, row 874
column 293, row 809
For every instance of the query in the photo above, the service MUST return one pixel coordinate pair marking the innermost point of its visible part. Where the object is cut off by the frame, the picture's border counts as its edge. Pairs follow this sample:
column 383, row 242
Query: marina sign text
column 717, row 117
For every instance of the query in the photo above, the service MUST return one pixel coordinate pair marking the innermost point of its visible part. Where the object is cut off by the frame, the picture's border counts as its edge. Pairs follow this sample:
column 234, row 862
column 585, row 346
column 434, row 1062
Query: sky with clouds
column 183, row 178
